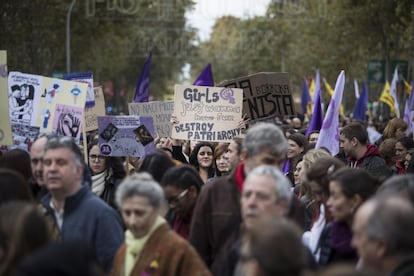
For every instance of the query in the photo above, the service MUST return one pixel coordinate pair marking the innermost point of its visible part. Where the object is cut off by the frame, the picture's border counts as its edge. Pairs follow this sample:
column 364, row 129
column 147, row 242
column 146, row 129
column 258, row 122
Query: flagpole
column 68, row 36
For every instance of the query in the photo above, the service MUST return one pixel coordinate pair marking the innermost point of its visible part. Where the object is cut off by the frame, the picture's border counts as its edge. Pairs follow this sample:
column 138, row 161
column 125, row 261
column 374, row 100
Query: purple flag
column 317, row 114
column 305, row 98
column 361, row 104
column 286, row 167
column 142, row 89
column 205, row 78
column 408, row 113
column 329, row 135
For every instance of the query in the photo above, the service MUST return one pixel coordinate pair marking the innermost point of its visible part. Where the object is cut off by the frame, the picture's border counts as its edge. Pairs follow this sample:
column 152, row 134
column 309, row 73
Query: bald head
column 36, row 157
column 383, row 228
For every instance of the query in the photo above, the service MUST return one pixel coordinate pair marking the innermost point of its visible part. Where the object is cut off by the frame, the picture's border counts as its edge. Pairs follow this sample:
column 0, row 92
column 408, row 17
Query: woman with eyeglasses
column 107, row 173
column 151, row 247
column 201, row 158
column 181, row 187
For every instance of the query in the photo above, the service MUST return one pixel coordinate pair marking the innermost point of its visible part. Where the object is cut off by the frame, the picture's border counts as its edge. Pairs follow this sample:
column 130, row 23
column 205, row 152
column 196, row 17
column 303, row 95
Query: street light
column 68, row 36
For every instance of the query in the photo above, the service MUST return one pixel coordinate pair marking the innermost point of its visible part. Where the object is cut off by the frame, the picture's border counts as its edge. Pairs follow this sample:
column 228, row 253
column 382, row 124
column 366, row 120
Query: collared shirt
column 58, row 215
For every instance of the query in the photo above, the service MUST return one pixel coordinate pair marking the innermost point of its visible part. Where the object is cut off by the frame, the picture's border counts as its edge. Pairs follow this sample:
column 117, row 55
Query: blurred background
column 112, row 39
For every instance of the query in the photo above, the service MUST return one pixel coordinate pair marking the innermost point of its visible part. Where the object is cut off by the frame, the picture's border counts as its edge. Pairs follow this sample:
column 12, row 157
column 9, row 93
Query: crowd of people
column 265, row 203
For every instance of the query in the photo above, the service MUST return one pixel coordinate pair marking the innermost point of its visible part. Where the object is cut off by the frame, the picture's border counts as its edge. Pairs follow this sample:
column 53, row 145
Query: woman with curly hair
column 201, row 158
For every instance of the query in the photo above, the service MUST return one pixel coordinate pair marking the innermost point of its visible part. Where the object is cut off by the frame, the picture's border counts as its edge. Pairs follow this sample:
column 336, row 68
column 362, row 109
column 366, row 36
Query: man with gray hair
column 217, row 217
column 383, row 235
column 266, row 195
column 77, row 212
column 266, row 191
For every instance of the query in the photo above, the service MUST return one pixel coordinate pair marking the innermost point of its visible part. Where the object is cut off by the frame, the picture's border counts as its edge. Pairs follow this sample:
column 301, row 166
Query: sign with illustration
column 67, row 121
column 5, row 127
column 92, row 113
column 160, row 111
column 265, row 95
column 86, row 77
column 37, row 101
column 207, row 113
column 123, row 136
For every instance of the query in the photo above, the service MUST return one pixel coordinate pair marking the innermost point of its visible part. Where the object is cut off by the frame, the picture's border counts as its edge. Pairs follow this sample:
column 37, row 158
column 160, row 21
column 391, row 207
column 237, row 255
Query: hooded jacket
column 373, row 162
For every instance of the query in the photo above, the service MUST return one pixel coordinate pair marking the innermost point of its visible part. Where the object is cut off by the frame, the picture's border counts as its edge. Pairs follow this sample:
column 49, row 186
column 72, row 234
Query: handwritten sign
column 5, row 127
column 207, row 113
column 160, row 111
column 265, row 95
column 92, row 113
column 123, row 136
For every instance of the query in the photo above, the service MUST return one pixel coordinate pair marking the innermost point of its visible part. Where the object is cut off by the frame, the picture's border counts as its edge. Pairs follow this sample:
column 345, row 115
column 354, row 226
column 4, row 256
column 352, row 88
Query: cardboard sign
column 92, row 113
column 5, row 127
column 123, row 136
column 160, row 111
column 207, row 113
column 265, row 95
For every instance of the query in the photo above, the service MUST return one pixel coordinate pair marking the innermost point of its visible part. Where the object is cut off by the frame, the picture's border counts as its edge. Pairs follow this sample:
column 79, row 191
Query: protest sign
column 67, row 121
column 87, row 78
column 33, row 101
column 265, row 95
column 207, row 113
column 5, row 127
column 123, row 136
column 92, row 113
column 160, row 111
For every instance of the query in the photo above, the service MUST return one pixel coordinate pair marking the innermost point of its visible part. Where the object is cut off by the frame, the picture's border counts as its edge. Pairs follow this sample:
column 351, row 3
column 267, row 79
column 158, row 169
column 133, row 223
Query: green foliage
column 110, row 38
column 301, row 36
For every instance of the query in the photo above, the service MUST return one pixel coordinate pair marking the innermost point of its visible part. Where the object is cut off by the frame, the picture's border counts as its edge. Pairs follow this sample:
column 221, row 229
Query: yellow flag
column 408, row 88
column 312, row 88
column 330, row 91
column 387, row 98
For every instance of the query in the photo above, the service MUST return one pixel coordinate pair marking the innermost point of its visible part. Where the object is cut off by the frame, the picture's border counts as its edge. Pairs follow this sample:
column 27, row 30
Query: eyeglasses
column 175, row 200
column 95, row 157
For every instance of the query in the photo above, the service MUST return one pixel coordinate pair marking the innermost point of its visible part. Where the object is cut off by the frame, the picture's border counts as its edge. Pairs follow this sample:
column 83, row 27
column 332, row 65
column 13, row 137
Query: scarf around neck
column 134, row 246
column 98, row 182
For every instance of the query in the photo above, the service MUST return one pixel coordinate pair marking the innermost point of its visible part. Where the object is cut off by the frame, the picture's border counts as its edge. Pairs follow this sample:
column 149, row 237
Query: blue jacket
column 89, row 219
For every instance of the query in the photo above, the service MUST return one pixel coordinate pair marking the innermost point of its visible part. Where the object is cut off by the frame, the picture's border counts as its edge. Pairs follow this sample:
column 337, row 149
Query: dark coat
column 108, row 194
column 405, row 269
column 86, row 218
column 216, row 221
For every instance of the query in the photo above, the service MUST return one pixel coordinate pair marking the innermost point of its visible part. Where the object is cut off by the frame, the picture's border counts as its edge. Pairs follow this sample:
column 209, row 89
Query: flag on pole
column 387, row 98
column 356, row 89
column 142, row 89
column 409, row 113
column 330, row 91
column 408, row 88
column 361, row 104
column 312, row 89
column 329, row 134
column 317, row 114
column 305, row 97
column 205, row 78
column 394, row 91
